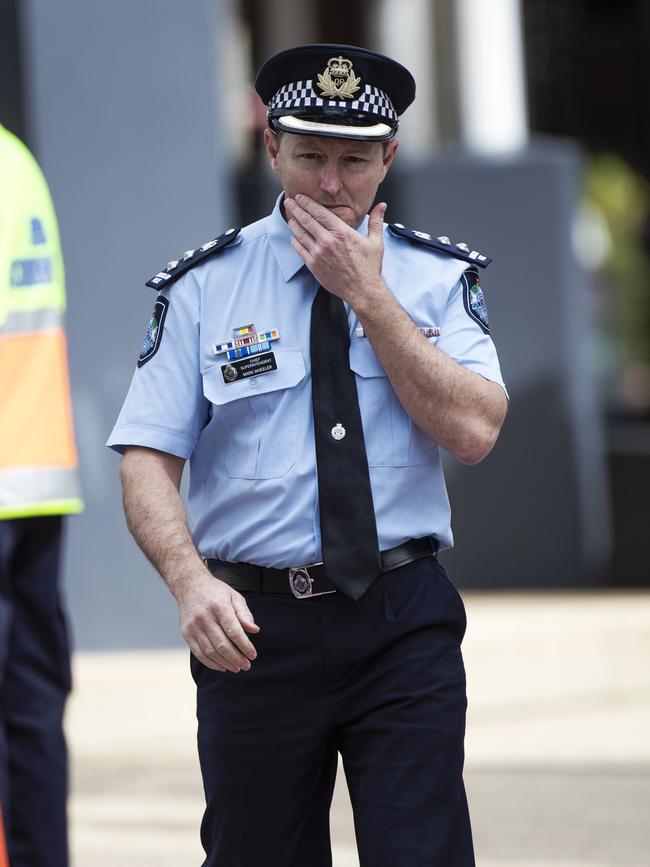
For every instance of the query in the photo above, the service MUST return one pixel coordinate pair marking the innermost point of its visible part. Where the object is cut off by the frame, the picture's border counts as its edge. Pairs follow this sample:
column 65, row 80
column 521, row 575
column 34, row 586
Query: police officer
column 39, row 485
column 310, row 366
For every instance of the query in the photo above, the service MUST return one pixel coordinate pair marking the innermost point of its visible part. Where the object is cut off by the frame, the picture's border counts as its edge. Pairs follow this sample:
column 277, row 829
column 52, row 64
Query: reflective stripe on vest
column 55, row 492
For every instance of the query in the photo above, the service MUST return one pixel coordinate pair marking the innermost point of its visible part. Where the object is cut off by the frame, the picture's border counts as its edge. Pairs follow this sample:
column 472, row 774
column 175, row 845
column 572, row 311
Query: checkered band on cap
column 301, row 94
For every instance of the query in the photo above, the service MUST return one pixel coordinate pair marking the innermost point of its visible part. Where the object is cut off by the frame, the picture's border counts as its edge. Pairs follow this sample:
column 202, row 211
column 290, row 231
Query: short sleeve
column 165, row 408
column 465, row 330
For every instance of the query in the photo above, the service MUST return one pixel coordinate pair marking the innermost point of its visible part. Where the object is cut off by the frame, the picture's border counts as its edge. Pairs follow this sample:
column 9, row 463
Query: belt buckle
column 302, row 583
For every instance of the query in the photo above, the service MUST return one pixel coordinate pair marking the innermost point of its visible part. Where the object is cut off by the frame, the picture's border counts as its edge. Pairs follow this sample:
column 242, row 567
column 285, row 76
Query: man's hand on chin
column 344, row 261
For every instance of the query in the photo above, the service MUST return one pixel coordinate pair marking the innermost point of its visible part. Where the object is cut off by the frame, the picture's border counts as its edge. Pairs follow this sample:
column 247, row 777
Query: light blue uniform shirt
column 253, row 494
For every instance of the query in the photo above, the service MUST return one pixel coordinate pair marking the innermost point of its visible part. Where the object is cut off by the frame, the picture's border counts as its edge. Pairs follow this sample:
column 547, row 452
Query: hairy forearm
column 455, row 407
column 214, row 618
column 155, row 514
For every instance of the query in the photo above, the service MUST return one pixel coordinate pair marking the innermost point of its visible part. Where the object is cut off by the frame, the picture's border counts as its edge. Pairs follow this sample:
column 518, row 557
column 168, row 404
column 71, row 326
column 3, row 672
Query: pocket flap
column 291, row 370
column 363, row 359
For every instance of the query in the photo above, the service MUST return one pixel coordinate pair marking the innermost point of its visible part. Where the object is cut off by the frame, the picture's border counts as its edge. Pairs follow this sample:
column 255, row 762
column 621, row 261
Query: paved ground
column 558, row 764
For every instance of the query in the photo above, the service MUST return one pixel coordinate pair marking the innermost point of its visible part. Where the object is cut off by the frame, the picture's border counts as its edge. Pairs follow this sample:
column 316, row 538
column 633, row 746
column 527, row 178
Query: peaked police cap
column 335, row 90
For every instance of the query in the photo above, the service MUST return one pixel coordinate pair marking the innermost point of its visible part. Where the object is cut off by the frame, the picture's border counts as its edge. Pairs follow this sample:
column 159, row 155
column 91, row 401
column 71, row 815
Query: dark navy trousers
column 34, row 684
column 380, row 681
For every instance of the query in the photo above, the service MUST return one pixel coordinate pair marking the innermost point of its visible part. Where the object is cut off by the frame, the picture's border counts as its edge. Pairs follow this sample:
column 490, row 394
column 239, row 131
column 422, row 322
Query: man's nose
column 330, row 181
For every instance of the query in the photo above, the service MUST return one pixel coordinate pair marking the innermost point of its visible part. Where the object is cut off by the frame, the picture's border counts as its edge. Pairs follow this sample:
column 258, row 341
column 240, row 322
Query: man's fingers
column 234, row 632
column 305, row 228
column 317, row 220
column 243, row 613
column 217, row 651
column 225, row 652
column 300, row 234
column 228, row 638
column 204, row 658
column 322, row 216
column 209, row 643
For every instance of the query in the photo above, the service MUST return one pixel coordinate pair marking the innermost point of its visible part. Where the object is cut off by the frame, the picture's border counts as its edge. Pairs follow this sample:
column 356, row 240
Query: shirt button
column 252, row 383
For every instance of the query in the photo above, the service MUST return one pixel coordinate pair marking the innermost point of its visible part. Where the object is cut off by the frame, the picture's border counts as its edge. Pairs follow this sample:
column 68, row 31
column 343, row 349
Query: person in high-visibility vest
column 39, row 484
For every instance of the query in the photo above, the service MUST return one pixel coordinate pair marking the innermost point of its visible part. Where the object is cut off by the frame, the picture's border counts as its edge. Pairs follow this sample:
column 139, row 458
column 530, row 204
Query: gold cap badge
column 339, row 79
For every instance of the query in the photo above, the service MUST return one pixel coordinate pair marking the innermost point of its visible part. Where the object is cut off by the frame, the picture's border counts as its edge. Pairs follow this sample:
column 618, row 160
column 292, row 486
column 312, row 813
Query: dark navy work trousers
column 380, row 681
column 34, row 683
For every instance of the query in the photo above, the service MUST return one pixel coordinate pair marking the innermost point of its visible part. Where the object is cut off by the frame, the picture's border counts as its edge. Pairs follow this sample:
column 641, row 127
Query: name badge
column 245, row 367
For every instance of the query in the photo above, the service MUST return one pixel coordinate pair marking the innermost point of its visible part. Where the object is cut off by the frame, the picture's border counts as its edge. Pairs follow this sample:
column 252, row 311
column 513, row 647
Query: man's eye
column 308, row 156
column 355, row 159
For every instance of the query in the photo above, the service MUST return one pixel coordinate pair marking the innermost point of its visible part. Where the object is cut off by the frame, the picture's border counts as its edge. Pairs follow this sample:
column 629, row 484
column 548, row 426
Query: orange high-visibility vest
column 38, row 457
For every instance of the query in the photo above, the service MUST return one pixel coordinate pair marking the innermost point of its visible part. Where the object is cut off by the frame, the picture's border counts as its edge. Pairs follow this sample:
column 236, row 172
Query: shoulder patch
column 154, row 331
column 474, row 300
column 177, row 267
column 441, row 244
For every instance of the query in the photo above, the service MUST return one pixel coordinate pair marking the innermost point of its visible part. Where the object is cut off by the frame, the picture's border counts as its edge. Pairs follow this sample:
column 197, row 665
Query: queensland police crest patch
column 474, row 300
column 154, row 331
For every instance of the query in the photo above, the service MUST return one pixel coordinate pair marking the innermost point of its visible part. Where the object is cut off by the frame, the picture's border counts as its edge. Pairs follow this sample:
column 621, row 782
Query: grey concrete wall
column 123, row 111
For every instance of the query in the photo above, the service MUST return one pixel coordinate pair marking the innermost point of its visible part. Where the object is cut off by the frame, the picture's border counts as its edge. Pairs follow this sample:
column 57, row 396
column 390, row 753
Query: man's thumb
column 376, row 221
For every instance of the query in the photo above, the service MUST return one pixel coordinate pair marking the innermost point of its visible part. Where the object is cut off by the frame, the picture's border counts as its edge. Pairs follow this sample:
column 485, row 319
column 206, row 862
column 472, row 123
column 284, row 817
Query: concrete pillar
column 405, row 31
column 491, row 76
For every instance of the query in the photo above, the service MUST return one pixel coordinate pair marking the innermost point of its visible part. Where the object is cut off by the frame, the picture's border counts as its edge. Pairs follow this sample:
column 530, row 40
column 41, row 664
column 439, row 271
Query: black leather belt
column 311, row 580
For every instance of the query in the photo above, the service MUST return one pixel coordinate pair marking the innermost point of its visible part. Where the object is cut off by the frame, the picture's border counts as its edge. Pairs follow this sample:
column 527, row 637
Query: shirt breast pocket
column 259, row 416
column 392, row 440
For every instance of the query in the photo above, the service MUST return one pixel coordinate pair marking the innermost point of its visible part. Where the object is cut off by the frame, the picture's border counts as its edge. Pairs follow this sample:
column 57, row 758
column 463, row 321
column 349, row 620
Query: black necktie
column 350, row 548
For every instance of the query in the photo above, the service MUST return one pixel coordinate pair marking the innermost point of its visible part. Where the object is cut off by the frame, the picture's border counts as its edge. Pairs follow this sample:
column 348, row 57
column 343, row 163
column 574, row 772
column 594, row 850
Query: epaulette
column 177, row 267
column 441, row 244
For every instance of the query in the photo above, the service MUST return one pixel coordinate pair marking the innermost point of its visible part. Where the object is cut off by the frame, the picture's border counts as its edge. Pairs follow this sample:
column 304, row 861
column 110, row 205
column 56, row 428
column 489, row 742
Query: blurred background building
column 526, row 140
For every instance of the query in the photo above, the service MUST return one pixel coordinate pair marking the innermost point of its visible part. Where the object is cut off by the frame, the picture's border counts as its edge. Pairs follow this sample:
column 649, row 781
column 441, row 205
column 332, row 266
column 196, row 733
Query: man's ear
column 389, row 156
column 272, row 145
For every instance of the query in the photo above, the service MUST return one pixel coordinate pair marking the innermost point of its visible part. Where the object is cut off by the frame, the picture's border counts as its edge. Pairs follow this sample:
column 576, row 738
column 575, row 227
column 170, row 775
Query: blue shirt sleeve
column 165, row 408
column 465, row 339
